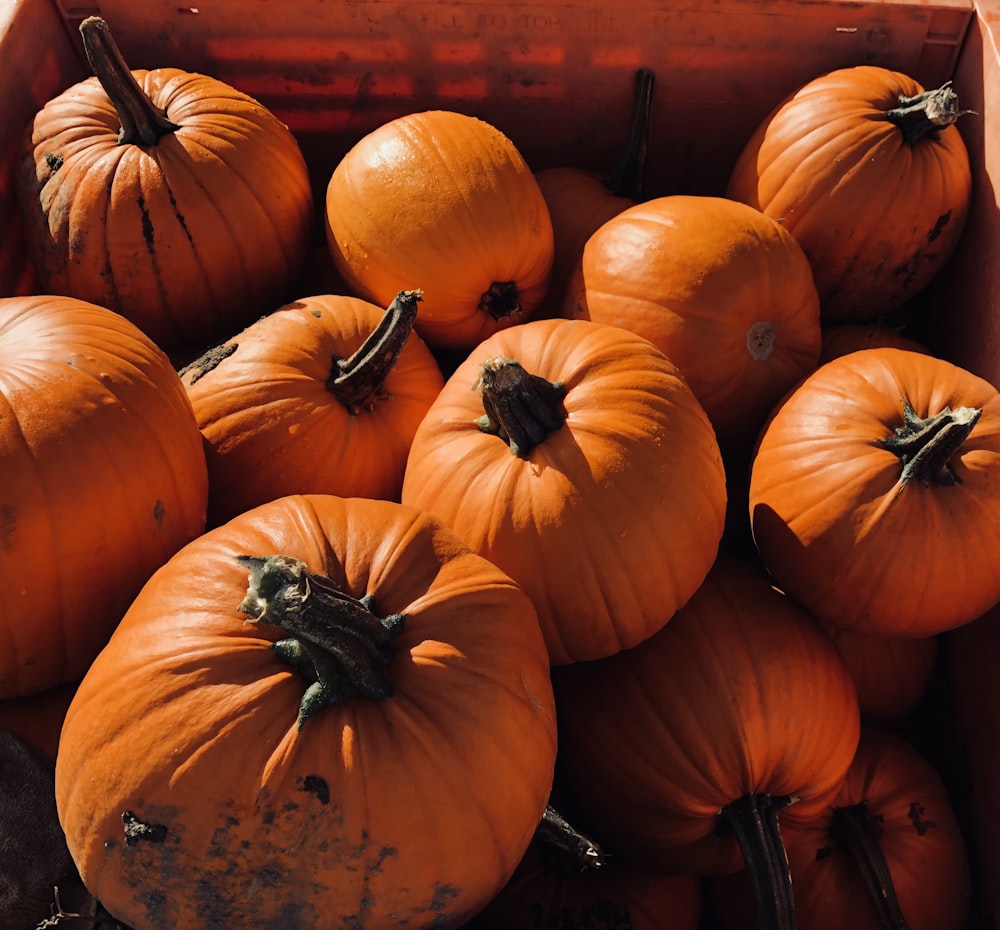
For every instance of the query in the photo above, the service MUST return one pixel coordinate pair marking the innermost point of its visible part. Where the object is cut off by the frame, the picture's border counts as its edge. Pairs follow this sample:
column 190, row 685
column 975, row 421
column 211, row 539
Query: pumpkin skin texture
column 877, row 215
column 741, row 696
column 102, row 466
column 851, row 532
column 843, row 338
column 37, row 719
column 718, row 287
column 444, row 202
column 191, row 236
column 610, row 522
column 411, row 809
column 274, row 424
column 919, row 835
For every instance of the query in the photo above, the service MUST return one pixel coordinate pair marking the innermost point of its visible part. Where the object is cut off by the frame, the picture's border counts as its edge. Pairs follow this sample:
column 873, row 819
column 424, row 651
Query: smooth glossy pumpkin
column 444, row 202
column 875, row 493
column 586, row 469
column 685, row 752
column 721, row 289
column 321, row 396
column 165, row 195
column 364, row 732
column 869, row 173
column 888, row 853
column 104, row 478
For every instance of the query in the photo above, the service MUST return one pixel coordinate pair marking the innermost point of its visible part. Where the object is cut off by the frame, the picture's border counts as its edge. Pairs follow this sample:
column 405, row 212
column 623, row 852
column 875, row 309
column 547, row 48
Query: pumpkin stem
column 142, row 123
column 926, row 113
column 856, row 829
column 926, row 446
column 357, row 382
column 753, row 819
column 338, row 643
column 521, row 408
column 555, row 832
column 629, row 177
column 501, row 300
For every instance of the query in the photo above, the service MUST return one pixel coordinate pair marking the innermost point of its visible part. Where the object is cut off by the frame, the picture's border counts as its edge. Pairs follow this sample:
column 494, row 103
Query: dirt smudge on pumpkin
column 208, row 361
column 137, row 831
column 316, row 786
column 53, row 162
column 939, row 226
column 916, row 815
column 159, row 512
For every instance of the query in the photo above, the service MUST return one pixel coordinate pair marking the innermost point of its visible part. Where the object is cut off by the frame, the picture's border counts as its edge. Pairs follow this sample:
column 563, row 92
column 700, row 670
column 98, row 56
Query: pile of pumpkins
column 569, row 559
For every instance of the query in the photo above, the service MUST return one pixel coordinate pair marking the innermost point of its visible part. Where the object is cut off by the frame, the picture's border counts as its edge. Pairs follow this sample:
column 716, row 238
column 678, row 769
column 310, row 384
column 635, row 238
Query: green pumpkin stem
column 926, row 445
column 142, row 123
column 629, row 177
column 521, row 408
column 926, row 113
column 555, row 832
column 357, row 382
column 337, row 643
column 753, row 820
column 856, row 829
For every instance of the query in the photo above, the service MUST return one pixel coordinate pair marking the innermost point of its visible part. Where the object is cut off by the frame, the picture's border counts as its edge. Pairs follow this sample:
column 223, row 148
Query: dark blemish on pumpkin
column 8, row 526
column 901, row 271
column 443, row 896
column 110, row 844
column 267, row 818
column 318, row 314
column 939, row 226
column 916, row 814
column 288, row 807
column 154, row 902
column 824, row 852
column 269, row 877
column 136, row 830
column 147, row 225
column 177, row 213
column 159, row 511
column 317, row 786
column 208, row 361
column 54, row 162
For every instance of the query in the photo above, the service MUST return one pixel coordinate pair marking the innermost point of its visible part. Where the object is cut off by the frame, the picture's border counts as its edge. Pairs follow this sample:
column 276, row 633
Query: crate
column 557, row 78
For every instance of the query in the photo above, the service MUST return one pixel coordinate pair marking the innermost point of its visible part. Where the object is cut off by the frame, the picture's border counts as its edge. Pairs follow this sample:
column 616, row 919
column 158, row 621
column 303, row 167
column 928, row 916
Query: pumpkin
column 721, row 289
column 888, row 852
column 321, row 396
column 580, row 200
column 165, row 195
column 585, row 468
column 37, row 719
column 445, row 202
column 841, row 338
column 866, row 169
column 874, row 494
column 325, row 711
column 687, row 752
column 104, row 479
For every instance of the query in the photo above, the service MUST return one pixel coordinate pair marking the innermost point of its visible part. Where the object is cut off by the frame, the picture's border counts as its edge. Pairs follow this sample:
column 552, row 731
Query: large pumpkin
column 721, row 289
column 444, row 202
column 866, row 169
column 104, row 478
column 321, row 396
column 165, row 195
column 362, row 735
column 875, row 493
column 586, row 469
column 685, row 752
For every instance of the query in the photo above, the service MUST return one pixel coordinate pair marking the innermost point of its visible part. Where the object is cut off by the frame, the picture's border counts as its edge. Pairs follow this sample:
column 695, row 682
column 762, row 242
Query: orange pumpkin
column 874, row 493
column 721, row 289
column 586, row 469
column 445, row 202
column 866, row 169
column 366, row 729
column 165, row 195
column 841, row 338
column 104, row 478
column 321, row 396
column 684, row 752
column 37, row 719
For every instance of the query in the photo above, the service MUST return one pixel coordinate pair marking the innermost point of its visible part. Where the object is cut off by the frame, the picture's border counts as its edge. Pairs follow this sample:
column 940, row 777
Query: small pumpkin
column 324, row 708
column 874, row 494
column 104, row 478
column 721, row 289
column 165, row 195
column 444, row 201
column 321, row 396
column 585, row 468
column 867, row 170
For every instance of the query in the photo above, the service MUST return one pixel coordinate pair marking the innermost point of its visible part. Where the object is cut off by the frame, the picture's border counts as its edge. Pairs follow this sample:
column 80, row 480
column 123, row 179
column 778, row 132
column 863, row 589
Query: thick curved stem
column 926, row 113
column 753, row 820
column 926, row 445
column 521, row 408
column 629, row 177
column 142, row 123
column 357, row 381
column 337, row 643
column 857, row 831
